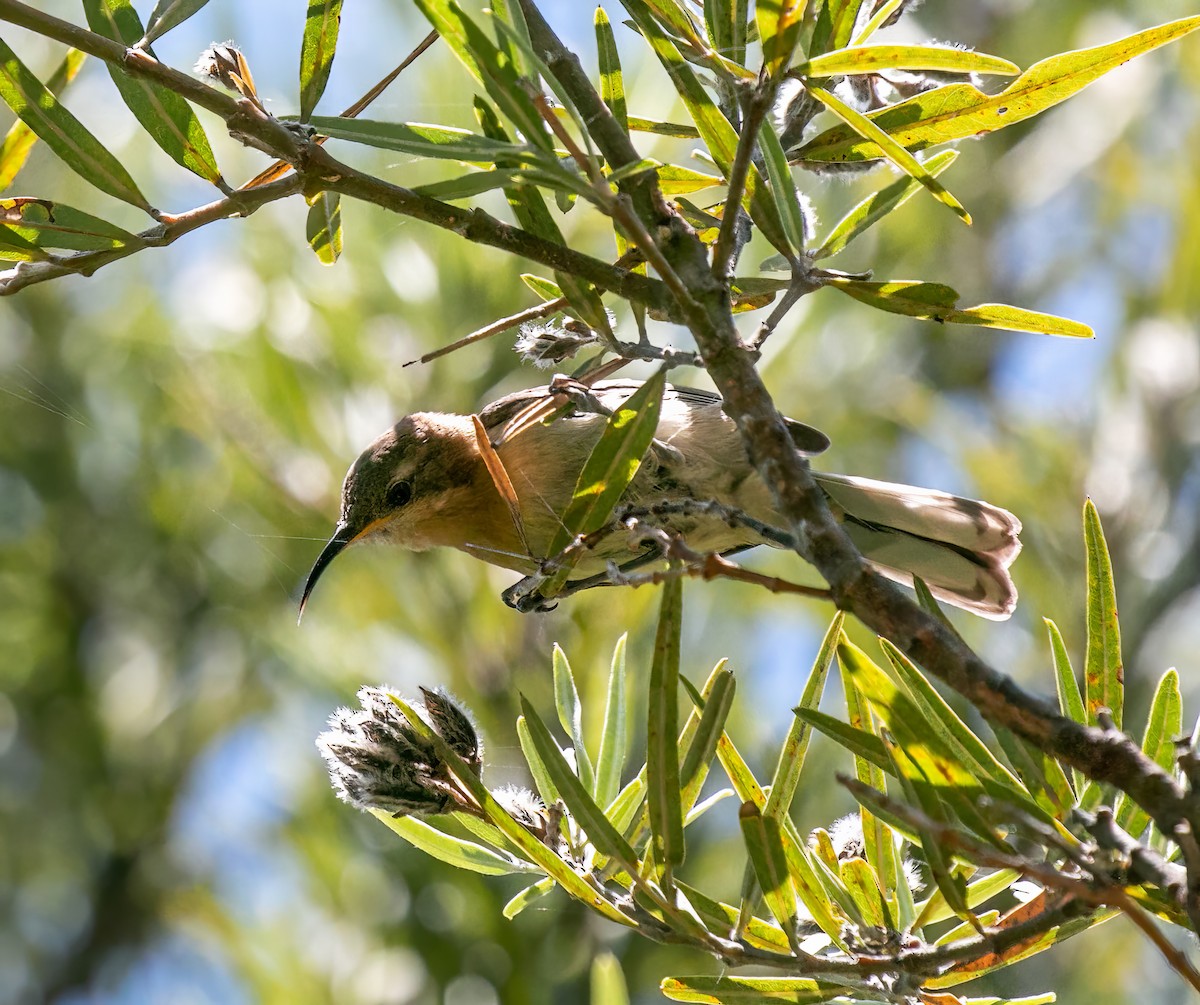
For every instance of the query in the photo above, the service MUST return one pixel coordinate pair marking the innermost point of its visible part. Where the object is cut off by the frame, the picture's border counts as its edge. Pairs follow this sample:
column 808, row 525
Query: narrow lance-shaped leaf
column 529, row 845
column 878, row 844
column 570, row 713
column 542, row 780
column 579, row 802
column 167, row 14
column 455, row 851
column 795, row 745
column 530, row 895
column 727, row 990
column 783, row 187
column 431, row 141
column 165, row 115
column 612, row 82
column 1103, row 671
column 833, row 26
column 936, row 302
column 19, row 140
column 1070, row 698
column 961, row 110
column 875, row 207
column 778, row 31
column 881, row 15
column 39, row 109
column 613, row 462
column 316, row 51
column 699, row 753
column 890, row 149
column 764, row 844
column 614, row 743
column 607, row 982
column 324, row 227
column 662, row 754
column 40, row 223
column 873, row 58
column 1164, row 726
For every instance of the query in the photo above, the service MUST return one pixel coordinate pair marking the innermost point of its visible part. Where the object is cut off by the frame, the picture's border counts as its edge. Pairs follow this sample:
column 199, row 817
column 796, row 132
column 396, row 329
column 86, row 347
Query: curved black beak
column 343, row 535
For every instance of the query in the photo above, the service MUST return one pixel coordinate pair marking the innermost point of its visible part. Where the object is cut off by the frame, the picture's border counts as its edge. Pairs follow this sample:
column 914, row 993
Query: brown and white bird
column 424, row 483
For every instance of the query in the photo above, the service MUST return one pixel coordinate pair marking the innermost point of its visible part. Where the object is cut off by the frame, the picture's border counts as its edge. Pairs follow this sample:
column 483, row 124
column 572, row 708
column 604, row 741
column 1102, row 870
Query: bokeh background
column 175, row 429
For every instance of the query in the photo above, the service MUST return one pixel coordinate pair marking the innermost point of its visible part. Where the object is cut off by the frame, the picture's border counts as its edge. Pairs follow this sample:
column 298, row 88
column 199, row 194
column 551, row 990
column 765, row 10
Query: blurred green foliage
column 176, row 427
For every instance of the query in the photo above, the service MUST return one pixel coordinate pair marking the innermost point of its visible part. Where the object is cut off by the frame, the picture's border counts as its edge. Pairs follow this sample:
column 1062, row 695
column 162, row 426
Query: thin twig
column 495, row 328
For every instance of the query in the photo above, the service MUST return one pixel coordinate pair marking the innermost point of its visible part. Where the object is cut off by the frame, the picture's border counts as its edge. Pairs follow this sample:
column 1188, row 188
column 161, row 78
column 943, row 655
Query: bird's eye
column 400, row 494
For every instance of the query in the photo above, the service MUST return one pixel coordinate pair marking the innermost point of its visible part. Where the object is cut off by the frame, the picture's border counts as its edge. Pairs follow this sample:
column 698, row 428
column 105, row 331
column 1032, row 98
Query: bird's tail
column 961, row 548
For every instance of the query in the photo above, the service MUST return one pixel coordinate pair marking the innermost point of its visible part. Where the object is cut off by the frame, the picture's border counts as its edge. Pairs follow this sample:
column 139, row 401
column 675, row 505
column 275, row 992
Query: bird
column 425, row 483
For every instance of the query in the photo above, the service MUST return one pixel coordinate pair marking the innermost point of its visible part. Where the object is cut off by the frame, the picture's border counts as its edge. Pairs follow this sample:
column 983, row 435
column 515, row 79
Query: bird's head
column 410, row 488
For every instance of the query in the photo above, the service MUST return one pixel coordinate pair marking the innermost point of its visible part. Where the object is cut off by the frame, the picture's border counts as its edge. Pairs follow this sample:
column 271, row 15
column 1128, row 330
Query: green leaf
column 605, row 838
column 878, row 843
column 961, row 110
column 725, row 990
column 165, row 115
column 614, row 742
column 324, row 227
column 27, row 224
column 783, row 187
column 489, row 65
column 875, row 207
column 613, row 462
column 570, row 714
column 934, row 908
column 719, row 136
column 699, row 753
column 421, row 140
column 19, row 139
column 881, row 15
column 834, row 26
column 1164, row 726
column 1070, row 699
column 455, row 851
column 801, row 870
column 41, row 111
column 542, row 780
column 607, row 981
column 890, row 149
column 676, row 180
column 316, row 51
column 662, row 750
column 537, row 852
column 530, row 895
column 763, row 837
column 859, row 742
column 864, row 885
column 778, row 31
column 1103, row 671
column 954, row 734
column 718, row 916
column 660, row 128
column 612, row 82
column 936, row 302
column 795, row 745
column 167, row 14
column 873, row 58
column 544, row 288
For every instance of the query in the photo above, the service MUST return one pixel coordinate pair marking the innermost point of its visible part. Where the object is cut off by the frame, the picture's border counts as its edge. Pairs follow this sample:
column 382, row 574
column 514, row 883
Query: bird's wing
column 504, row 416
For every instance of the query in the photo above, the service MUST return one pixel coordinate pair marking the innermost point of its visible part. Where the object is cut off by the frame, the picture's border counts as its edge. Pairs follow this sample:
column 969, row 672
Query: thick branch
column 1107, row 756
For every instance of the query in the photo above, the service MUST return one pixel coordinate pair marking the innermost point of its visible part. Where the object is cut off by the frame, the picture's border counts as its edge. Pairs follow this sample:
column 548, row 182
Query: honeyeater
column 424, row 483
